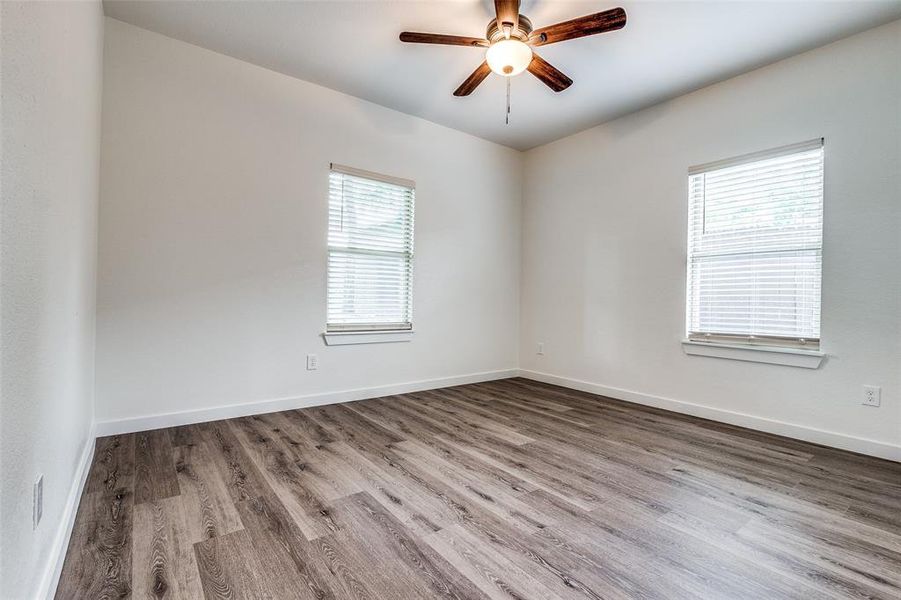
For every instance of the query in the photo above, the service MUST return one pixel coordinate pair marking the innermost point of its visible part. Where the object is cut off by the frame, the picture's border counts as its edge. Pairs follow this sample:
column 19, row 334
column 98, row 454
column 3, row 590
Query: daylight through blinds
column 370, row 245
column 755, row 239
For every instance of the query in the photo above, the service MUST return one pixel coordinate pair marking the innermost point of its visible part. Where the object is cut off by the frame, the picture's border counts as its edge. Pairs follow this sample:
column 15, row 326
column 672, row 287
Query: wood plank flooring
column 506, row 490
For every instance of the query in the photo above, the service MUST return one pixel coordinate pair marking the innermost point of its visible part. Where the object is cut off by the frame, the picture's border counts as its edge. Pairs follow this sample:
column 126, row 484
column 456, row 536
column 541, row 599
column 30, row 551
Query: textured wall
column 213, row 229
column 51, row 89
column 604, row 241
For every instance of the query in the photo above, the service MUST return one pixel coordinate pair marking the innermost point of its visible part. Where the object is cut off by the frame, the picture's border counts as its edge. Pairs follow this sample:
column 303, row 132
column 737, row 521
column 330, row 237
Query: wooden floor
column 510, row 489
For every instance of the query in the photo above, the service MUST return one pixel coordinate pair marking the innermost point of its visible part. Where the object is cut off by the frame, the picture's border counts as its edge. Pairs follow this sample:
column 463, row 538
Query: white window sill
column 343, row 338
column 792, row 357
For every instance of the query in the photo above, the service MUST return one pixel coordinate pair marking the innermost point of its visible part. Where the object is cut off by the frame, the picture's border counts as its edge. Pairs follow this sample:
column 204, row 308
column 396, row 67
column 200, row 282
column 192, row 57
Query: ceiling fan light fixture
column 508, row 57
column 509, row 39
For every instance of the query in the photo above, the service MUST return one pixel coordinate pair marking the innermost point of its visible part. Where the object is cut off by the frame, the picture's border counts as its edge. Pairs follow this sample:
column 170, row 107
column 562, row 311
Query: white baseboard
column 57, row 556
column 157, row 421
column 791, row 430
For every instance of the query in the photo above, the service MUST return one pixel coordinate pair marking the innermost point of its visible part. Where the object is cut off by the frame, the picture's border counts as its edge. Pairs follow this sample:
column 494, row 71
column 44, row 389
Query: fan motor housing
column 495, row 33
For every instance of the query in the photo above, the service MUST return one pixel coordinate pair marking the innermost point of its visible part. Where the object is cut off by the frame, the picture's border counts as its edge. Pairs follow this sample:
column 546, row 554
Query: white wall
column 50, row 76
column 213, row 228
column 604, row 245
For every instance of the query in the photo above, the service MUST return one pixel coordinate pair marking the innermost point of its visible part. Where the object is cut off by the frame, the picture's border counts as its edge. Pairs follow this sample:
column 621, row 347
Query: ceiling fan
column 510, row 39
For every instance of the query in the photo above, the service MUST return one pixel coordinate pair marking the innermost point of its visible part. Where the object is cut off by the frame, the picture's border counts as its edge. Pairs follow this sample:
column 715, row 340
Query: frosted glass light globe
column 508, row 57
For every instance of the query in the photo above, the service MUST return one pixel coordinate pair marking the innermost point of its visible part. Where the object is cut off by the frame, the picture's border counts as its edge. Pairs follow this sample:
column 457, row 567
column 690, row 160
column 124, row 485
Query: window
column 370, row 251
column 755, row 239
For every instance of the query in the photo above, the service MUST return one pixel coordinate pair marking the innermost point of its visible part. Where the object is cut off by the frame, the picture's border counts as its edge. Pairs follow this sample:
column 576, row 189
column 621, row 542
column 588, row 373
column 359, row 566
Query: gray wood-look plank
column 208, row 509
column 155, row 476
column 163, row 562
column 508, row 489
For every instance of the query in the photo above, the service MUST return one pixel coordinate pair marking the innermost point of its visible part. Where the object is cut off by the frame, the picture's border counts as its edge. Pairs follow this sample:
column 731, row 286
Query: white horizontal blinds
column 370, row 251
column 755, row 238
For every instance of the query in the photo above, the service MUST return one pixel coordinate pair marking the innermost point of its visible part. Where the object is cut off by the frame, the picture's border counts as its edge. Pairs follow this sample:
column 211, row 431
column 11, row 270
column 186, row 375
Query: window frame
column 734, row 344
column 372, row 332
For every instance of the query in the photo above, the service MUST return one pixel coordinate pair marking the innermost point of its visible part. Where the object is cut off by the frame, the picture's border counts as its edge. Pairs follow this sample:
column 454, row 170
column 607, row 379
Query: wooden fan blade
column 549, row 74
column 507, row 12
column 439, row 38
column 473, row 81
column 609, row 20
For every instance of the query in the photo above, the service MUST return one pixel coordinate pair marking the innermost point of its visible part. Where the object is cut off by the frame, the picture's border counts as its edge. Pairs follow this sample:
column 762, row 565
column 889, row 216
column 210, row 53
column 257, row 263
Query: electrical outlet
column 37, row 502
column 872, row 395
column 540, row 351
column 312, row 362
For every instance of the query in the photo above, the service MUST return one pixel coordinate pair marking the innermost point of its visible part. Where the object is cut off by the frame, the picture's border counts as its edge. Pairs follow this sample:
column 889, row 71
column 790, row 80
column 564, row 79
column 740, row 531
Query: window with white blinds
column 755, row 239
column 370, row 251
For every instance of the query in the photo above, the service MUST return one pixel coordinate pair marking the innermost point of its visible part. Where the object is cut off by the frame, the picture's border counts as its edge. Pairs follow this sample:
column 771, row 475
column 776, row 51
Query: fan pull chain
column 507, row 116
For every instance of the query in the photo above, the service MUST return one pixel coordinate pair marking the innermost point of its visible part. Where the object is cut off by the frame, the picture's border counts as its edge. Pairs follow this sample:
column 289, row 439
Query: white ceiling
column 666, row 49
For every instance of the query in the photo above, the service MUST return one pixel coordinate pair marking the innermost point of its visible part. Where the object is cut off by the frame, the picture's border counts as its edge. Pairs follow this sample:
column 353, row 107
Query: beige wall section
column 51, row 83
column 213, row 225
column 605, row 218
